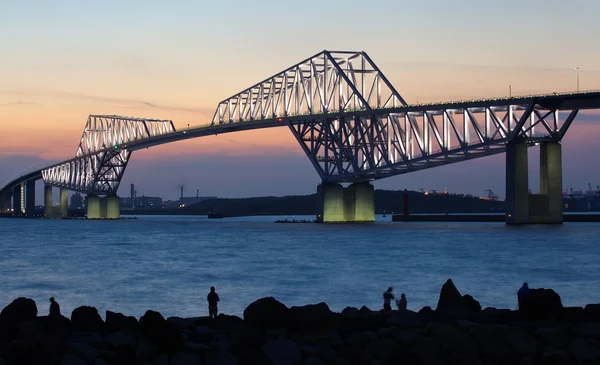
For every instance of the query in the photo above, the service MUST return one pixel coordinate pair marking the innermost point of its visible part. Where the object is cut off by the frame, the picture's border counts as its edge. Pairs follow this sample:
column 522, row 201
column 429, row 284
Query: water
column 169, row 263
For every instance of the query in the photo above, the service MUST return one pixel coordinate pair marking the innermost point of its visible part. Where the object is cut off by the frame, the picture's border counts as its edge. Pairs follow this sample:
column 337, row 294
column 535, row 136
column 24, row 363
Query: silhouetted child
column 213, row 299
column 388, row 296
column 402, row 302
column 54, row 308
column 522, row 293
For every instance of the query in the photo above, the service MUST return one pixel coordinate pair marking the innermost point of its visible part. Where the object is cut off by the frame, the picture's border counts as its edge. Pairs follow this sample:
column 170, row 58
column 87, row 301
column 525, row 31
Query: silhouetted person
column 522, row 293
column 402, row 302
column 54, row 308
column 388, row 296
column 213, row 299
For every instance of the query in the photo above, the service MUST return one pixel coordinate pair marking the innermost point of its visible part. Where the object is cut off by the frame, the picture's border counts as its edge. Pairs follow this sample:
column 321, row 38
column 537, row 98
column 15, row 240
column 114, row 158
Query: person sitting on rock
column 402, row 302
column 388, row 296
column 522, row 293
column 213, row 299
column 54, row 308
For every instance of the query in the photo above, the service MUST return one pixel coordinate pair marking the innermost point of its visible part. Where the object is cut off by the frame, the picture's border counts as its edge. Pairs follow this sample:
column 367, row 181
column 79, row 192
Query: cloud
column 102, row 99
column 18, row 102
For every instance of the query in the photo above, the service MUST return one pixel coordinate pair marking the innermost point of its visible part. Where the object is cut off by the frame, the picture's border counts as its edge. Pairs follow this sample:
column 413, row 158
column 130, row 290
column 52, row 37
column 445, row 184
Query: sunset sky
column 63, row 60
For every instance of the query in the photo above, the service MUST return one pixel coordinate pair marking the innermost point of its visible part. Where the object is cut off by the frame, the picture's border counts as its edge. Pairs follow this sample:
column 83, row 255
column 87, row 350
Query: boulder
column 455, row 342
column 592, row 311
column 314, row 317
column 86, row 319
column 351, row 312
column 282, row 352
column 472, row 303
column 120, row 322
column 582, row 350
column 182, row 358
column 156, row 330
column 21, row 309
column 266, row 313
column 451, row 303
column 227, row 323
column 541, row 304
column 219, row 358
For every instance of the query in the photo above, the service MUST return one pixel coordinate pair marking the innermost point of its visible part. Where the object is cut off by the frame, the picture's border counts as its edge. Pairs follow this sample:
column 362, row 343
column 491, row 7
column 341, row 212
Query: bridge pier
column 337, row 204
column 5, row 203
column 48, row 212
column 64, row 203
column 523, row 207
column 17, row 199
column 30, row 198
column 103, row 208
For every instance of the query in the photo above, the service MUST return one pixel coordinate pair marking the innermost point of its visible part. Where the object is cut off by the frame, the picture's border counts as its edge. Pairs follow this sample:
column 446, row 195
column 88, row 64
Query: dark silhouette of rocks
column 452, row 303
column 86, row 319
column 267, row 313
column 473, row 304
column 542, row 304
column 271, row 333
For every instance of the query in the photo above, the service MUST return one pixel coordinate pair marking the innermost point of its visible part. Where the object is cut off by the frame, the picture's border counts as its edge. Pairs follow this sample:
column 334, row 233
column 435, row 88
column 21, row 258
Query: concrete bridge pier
column 17, row 200
column 48, row 213
column 337, row 204
column 103, row 208
column 30, row 198
column 5, row 203
column 523, row 207
column 64, row 203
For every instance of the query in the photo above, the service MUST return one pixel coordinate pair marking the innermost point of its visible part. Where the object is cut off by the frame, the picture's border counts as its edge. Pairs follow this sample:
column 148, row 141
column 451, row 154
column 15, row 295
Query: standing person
column 54, row 307
column 388, row 296
column 522, row 293
column 213, row 299
column 402, row 302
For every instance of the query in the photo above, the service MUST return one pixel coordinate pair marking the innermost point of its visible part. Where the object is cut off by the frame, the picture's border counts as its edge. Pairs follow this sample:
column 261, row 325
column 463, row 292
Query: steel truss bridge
column 348, row 118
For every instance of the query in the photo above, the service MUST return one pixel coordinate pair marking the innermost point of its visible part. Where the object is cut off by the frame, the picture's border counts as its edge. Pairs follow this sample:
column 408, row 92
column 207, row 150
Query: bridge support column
column 360, row 200
column 64, row 203
column 112, row 207
column 48, row 213
column 16, row 200
column 93, row 207
column 523, row 207
column 30, row 198
column 337, row 204
column 551, row 180
column 5, row 203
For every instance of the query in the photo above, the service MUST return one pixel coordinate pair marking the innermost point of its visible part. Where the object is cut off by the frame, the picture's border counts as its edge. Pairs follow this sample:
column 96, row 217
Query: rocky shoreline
column 458, row 331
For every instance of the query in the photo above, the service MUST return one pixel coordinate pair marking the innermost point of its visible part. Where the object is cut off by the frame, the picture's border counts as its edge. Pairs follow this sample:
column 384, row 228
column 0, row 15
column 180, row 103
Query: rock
column 455, row 341
column 313, row 317
column 196, row 347
column 425, row 351
column 182, row 358
column 282, row 352
column 163, row 359
column 554, row 356
column 541, row 304
column 120, row 339
column 493, row 315
column 19, row 310
column 553, row 337
column 382, row 349
column 72, row 359
column 589, row 330
column 351, row 312
column 313, row 360
column 267, row 313
column 492, row 342
column 219, row 358
column 158, row 331
column 592, row 312
column 86, row 319
column 410, row 335
column 227, row 323
column 472, row 303
column 573, row 314
column 85, row 351
column 426, row 313
column 220, row 341
column 181, row 323
column 357, row 340
column 522, row 343
column 146, row 351
column 582, row 350
column 452, row 303
column 365, row 309
column 120, row 322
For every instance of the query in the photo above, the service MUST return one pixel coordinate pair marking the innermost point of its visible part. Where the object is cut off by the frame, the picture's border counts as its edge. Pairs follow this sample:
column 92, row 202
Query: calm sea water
column 169, row 263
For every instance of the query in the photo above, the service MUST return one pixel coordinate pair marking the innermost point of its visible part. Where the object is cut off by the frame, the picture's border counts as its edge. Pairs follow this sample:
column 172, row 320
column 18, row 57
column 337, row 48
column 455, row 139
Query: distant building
column 77, row 201
column 142, row 203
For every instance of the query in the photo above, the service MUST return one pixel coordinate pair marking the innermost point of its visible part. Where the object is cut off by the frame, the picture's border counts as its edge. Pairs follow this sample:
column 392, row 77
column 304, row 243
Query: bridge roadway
column 351, row 133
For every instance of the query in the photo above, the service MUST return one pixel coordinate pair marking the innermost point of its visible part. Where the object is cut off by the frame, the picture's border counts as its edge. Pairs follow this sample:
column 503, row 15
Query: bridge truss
column 102, row 154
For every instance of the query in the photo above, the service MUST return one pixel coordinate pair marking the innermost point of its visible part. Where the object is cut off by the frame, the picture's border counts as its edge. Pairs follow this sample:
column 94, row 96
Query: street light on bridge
column 577, row 69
